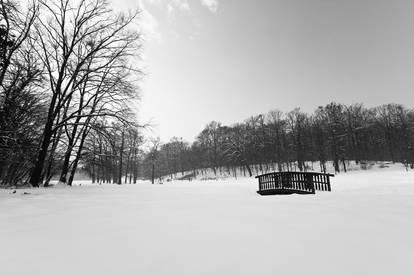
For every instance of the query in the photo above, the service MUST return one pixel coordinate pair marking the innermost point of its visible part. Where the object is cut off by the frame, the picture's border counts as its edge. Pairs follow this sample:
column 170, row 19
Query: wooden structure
column 293, row 183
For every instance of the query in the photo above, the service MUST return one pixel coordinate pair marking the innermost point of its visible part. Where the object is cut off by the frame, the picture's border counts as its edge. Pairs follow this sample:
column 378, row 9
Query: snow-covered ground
column 365, row 226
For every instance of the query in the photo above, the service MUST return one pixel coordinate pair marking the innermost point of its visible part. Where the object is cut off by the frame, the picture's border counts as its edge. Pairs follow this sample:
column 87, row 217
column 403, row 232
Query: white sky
column 225, row 60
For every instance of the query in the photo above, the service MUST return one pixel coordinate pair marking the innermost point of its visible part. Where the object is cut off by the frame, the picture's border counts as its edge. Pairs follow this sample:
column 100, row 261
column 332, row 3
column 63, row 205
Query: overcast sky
column 225, row 60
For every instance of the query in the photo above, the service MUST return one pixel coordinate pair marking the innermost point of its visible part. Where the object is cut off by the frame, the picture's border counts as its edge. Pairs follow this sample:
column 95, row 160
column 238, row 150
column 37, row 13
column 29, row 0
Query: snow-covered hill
column 223, row 173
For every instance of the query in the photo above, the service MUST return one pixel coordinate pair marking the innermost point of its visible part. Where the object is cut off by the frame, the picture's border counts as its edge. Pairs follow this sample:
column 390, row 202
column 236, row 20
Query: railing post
column 328, row 181
column 260, row 183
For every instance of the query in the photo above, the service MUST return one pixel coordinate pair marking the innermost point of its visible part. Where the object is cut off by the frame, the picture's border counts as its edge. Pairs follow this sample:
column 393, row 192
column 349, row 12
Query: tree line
column 67, row 72
column 279, row 140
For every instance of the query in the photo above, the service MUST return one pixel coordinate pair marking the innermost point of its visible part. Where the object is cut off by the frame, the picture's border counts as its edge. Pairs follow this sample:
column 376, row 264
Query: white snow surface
column 365, row 226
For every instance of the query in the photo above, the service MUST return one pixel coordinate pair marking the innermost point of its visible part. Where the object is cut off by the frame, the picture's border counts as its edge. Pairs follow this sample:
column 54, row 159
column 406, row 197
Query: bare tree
column 153, row 156
column 78, row 40
column 21, row 103
column 277, row 126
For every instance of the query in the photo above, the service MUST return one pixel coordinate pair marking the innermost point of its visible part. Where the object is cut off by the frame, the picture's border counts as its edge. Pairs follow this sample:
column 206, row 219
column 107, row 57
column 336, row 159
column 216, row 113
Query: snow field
column 218, row 227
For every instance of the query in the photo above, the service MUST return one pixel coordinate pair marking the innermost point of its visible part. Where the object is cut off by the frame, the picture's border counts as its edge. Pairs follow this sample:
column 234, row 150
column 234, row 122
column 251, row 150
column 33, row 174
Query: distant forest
column 276, row 140
column 334, row 133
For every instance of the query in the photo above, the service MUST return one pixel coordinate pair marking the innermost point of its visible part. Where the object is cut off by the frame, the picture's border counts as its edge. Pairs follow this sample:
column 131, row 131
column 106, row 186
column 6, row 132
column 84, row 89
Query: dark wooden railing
column 293, row 182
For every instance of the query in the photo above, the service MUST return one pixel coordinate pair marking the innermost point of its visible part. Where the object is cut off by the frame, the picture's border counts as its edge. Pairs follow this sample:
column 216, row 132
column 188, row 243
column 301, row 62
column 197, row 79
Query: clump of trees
column 276, row 140
column 113, row 153
column 67, row 73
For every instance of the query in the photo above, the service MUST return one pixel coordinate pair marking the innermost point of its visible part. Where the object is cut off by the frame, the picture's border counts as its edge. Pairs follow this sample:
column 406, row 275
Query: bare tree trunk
column 248, row 169
column 121, row 155
column 153, row 173
column 71, row 143
column 78, row 155
column 36, row 175
column 127, row 167
column 135, row 170
column 56, row 139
